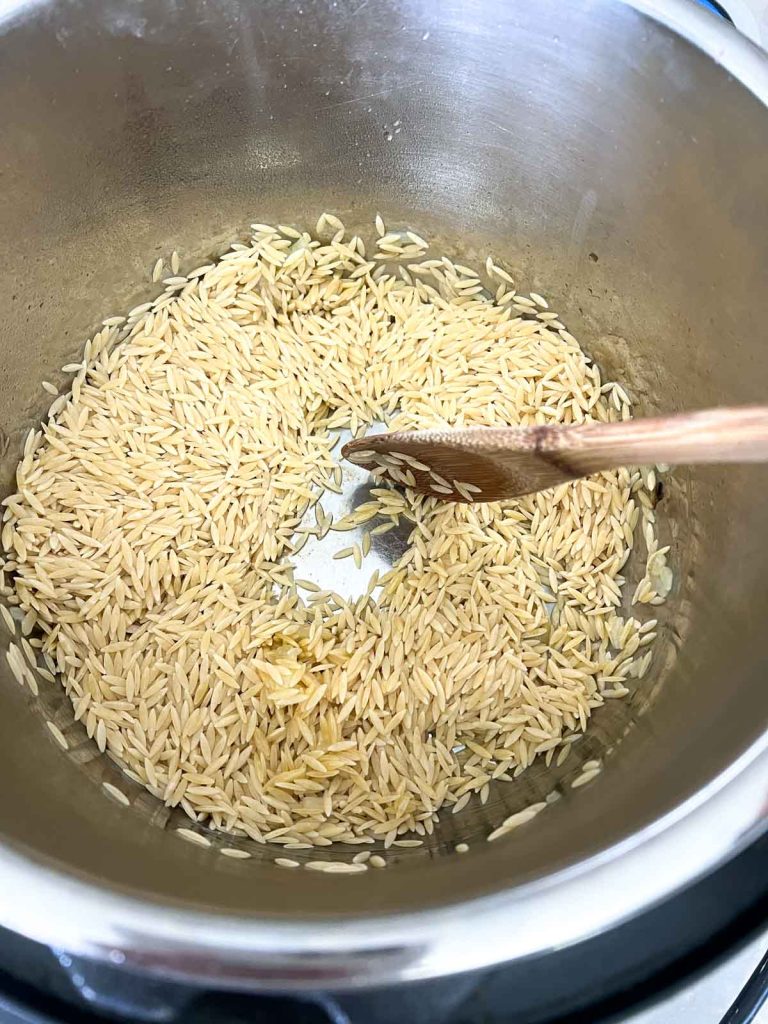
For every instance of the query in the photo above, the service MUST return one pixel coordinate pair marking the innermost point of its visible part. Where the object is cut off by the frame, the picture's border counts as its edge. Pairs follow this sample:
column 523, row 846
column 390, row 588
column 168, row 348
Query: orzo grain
column 152, row 533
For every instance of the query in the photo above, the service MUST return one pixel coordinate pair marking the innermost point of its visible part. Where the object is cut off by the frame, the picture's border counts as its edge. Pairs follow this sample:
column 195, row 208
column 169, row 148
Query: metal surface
column 675, row 946
column 616, row 168
column 710, row 998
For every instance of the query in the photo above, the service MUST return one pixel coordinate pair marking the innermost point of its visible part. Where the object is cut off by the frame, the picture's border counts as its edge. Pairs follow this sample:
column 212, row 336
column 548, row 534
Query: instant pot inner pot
column 609, row 164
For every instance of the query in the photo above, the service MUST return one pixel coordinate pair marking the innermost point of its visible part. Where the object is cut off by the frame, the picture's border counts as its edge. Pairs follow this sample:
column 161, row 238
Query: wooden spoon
column 494, row 463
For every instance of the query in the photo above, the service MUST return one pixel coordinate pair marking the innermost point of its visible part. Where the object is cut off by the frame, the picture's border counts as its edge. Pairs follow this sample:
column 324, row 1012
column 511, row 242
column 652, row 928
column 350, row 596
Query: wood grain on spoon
column 506, row 462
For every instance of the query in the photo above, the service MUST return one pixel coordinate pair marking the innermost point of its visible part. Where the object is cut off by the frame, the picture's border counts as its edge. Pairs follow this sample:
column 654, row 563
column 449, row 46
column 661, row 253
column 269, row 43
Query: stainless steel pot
column 616, row 165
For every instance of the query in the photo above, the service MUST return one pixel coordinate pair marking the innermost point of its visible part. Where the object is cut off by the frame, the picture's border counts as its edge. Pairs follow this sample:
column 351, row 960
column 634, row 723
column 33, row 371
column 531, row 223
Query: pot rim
column 56, row 908
column 712, row 826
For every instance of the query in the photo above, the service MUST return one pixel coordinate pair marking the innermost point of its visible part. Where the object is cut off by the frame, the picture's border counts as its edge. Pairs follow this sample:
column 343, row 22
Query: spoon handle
column 716, row 435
